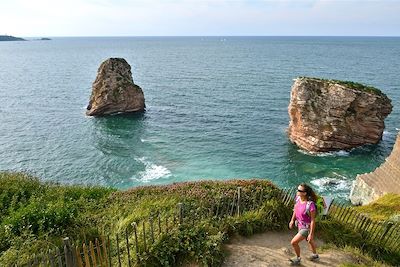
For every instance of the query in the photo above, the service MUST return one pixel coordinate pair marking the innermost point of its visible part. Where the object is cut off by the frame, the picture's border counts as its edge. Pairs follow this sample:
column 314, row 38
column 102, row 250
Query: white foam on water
column 386, row 135
column 339, row 175
column 329, row 183
column 340, row 153
column 151, row 172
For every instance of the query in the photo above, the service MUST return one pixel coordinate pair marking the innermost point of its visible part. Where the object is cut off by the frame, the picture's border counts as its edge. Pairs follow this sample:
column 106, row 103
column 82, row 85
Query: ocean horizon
column 216, row 109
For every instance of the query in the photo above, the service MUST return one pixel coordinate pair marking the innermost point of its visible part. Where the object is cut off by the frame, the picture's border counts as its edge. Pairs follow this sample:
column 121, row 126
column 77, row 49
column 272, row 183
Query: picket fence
column 126, row 249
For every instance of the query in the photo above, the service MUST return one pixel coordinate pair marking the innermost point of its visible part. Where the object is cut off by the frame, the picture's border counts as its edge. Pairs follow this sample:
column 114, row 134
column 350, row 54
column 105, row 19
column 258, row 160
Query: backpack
column 322, row 204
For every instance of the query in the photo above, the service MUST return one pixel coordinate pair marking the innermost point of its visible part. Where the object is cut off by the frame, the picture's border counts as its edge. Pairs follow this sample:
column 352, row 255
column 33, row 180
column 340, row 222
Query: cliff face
column 113, row 91
column 385, row 179
column 330, row 115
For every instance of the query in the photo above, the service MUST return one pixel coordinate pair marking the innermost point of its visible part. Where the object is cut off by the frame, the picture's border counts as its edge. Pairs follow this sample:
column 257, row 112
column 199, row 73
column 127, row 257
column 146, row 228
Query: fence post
column 136, row 242
column 69, row 260
column 238, row 203
column 109, row 250
column 118, row 252
column 388, row 227
column 151, row 229
column 127, row 246
column 159, row 223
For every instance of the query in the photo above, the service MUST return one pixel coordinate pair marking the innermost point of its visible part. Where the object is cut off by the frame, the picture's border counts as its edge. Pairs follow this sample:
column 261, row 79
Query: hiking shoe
column 295, row 261
column 313, row 257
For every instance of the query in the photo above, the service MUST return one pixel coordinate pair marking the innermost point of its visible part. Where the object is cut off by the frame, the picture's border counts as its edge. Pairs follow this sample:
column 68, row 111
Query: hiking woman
column 304, row 217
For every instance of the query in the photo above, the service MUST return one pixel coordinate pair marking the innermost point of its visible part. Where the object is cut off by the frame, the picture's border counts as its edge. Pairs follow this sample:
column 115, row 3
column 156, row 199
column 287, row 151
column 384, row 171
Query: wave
column 151, row 172
column 340, row 153
column 386, row 135
column 330, row 183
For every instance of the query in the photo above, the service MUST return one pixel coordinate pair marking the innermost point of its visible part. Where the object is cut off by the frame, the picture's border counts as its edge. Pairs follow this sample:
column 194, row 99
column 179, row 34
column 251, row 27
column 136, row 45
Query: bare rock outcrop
column 385, row 179
column 113, row 91
column 329, row 115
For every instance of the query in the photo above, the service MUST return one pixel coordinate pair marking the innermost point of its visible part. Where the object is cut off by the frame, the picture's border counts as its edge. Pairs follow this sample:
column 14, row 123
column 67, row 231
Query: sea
column 217, row 109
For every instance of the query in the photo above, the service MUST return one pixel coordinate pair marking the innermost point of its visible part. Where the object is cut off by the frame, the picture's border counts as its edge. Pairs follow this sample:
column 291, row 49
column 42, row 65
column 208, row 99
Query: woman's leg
column 312, row 246
column 295, row 243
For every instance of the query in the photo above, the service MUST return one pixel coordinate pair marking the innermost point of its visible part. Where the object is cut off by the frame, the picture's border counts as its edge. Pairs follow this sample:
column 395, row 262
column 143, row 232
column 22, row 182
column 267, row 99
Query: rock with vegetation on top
column 329, row 115
column 113, row 91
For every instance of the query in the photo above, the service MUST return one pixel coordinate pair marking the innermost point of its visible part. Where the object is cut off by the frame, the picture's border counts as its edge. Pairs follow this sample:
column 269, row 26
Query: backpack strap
column 308, row 205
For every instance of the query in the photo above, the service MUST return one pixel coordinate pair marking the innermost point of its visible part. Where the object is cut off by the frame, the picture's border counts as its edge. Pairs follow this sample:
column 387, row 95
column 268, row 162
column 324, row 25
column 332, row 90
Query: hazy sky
column 28, row 18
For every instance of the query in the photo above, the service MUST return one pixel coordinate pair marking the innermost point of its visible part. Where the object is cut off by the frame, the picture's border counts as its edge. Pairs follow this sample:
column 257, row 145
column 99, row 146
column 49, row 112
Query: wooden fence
column 124, row 249
column 386, row 234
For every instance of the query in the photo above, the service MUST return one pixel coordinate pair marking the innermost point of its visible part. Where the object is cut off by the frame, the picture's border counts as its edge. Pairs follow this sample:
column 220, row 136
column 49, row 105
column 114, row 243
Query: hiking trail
column 273, row 249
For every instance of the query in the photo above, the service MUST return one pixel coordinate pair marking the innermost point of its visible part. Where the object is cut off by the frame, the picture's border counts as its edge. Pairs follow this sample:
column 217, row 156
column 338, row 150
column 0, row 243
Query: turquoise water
column 216, row 109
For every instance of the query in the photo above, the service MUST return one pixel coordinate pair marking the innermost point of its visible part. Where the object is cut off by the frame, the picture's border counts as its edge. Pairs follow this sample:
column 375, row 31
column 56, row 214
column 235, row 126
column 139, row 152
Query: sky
column 51, row 18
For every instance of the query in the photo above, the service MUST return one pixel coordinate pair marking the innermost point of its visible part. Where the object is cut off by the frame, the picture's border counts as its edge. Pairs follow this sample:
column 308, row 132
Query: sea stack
column 331, row 115
column 113, row 91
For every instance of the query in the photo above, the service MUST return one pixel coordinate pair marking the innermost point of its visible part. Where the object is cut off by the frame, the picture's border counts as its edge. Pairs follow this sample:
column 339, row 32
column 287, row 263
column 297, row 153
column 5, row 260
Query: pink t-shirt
column 302, row 217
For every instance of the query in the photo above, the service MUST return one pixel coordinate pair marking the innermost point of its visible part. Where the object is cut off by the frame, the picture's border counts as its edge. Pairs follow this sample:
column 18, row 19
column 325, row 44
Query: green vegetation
column 35, row 215
column 350, row 84
column 347, row 227
column 385, row 207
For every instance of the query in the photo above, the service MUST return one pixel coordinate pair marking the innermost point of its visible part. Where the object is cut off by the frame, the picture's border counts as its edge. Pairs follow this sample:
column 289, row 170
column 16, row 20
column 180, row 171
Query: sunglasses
column 301, row 191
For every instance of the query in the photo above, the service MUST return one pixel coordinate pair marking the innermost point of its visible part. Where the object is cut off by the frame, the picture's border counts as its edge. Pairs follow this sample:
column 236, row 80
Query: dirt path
column 274, row 249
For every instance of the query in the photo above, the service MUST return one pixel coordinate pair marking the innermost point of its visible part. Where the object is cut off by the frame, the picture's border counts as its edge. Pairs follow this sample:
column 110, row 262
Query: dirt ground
column 273, row 249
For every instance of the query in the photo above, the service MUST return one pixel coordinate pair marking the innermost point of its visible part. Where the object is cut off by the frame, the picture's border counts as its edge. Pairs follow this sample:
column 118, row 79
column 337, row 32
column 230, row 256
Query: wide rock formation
column 113, row 91
column 329, row 115
column 385, row 179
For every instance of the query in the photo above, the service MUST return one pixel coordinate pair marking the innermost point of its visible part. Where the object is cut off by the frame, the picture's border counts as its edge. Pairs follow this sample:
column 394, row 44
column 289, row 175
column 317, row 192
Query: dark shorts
column 304, row 232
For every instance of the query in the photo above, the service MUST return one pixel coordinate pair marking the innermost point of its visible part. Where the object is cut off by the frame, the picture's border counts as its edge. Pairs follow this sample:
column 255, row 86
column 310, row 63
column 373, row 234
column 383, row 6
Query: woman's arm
column 312, row 226
column 292, row 220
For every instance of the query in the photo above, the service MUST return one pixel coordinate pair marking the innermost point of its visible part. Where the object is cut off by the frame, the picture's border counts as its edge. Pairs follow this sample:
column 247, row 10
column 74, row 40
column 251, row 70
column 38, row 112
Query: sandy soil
column 274, row 249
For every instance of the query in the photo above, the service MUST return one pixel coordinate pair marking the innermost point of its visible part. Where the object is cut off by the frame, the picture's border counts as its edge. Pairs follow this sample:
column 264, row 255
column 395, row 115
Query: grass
column 352, row 85
column 346, row 233
column 35, row 215
column 388, row 206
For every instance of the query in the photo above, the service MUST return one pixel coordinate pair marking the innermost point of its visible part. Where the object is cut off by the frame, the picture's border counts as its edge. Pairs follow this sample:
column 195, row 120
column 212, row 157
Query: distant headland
column 13, row 38
column 10, row 38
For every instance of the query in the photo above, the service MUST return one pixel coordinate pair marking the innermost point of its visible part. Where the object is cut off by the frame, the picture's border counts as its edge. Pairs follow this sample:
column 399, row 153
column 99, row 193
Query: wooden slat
column 98, row 252
column 144, row 236
column 51, row 258
column 92, row 253
column 159, row 224
column 104, row 248
column 109, row 248
column 118, row 251
column 59, row 257
column 79, row 262
column 128, row 247
column 136, row 242
column 86, row 255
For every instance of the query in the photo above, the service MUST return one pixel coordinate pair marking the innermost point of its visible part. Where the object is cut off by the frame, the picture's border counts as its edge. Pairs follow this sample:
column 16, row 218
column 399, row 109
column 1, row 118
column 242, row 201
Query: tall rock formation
column 113, row 91
column 329, row 115
column 385, row 179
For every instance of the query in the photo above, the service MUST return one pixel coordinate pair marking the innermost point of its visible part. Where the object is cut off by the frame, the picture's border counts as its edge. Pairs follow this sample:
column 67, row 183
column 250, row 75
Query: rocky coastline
column 385, row 179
